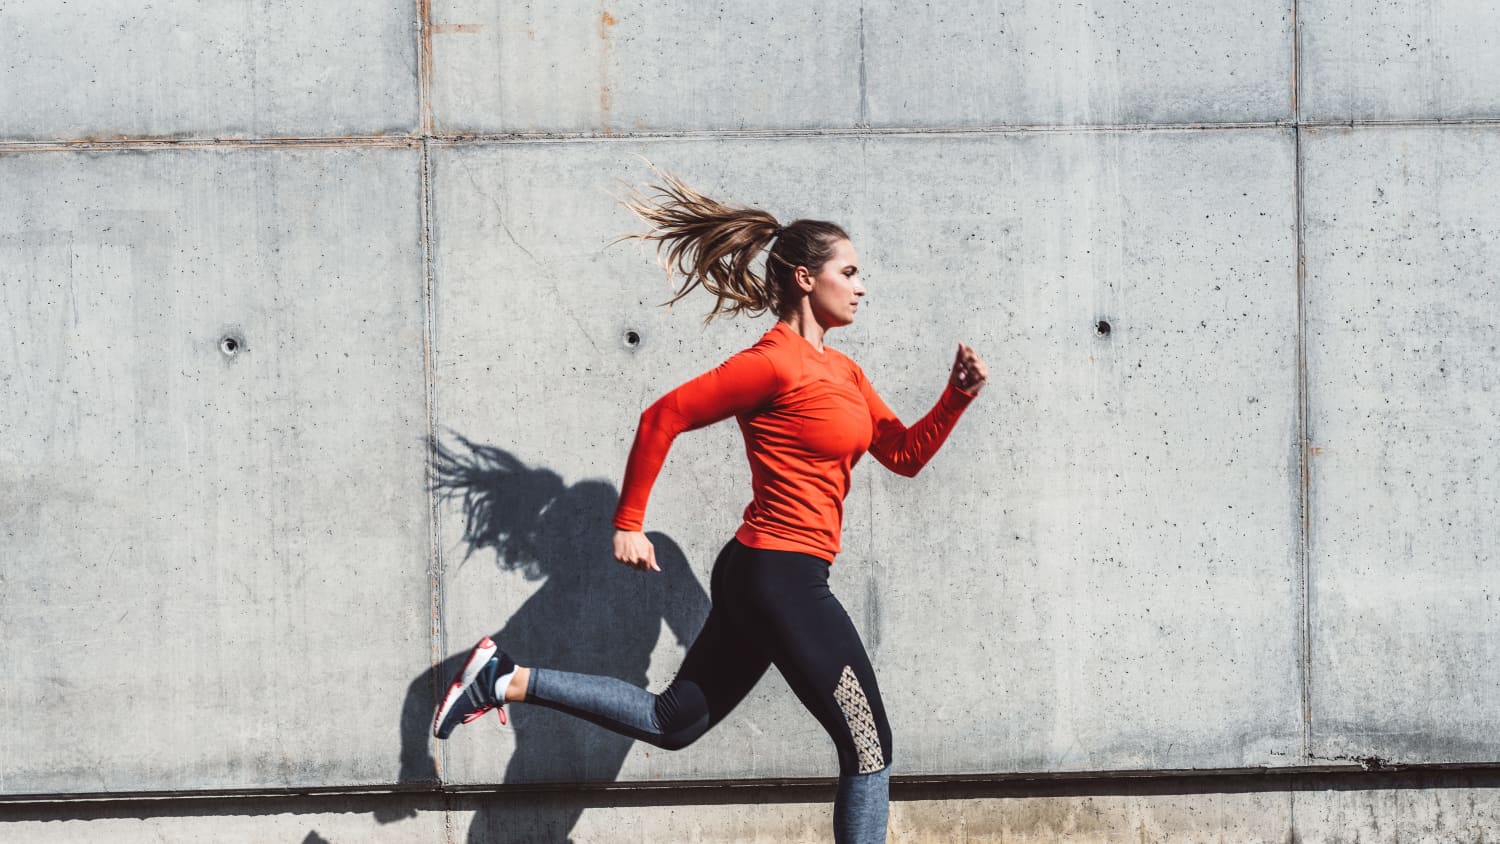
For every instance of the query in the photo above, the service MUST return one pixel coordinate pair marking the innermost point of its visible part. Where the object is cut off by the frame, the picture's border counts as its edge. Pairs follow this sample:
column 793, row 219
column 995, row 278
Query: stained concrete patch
column 211, row 462
column 1404, row 398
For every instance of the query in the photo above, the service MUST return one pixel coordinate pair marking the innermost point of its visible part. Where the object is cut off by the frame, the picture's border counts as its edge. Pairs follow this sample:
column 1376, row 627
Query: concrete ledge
column 1305, row 805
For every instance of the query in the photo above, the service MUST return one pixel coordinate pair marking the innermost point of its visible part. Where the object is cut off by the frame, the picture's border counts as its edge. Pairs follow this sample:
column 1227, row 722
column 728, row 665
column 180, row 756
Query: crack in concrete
column 541, row 265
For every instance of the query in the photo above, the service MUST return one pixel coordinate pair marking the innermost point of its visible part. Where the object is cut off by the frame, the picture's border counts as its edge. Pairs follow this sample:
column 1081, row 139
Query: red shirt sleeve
column 737, row 386
column 906, row 450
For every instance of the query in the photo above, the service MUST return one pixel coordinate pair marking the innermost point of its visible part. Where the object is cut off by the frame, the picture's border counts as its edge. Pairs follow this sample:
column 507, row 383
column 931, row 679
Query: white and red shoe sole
column 477, row 658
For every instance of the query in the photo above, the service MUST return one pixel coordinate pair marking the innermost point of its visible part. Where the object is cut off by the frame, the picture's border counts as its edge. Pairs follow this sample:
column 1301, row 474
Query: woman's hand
column 969, row 371
column 633, row 549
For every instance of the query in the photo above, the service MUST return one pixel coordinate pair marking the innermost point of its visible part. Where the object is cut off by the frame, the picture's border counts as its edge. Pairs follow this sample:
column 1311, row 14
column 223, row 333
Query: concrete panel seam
column 149, row 144
column 1304, row 469
column 1010, row 129
column 436, row 637
column 457, row 138
column 1296, row 64
column 1398, row 123
column 864, row 96
column 414, row 141
column 436, row 630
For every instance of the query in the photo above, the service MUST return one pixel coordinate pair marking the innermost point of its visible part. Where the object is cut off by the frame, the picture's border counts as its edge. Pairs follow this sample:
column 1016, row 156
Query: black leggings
column 769, row 608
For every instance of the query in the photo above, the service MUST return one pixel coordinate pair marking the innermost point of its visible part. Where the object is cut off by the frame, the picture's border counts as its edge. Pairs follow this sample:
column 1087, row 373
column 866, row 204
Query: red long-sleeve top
column 807, row 417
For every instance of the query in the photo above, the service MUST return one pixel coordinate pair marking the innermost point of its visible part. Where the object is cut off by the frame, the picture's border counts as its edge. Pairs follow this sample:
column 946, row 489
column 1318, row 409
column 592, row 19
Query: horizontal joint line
column 413, row 140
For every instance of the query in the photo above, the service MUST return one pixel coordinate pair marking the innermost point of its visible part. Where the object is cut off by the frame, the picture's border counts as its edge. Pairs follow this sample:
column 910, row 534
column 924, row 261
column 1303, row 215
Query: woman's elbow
column 652, row 417
column 905, row 468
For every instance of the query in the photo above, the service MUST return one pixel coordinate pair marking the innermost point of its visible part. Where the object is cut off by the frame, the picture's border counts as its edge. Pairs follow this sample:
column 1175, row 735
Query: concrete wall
column 1247, row 525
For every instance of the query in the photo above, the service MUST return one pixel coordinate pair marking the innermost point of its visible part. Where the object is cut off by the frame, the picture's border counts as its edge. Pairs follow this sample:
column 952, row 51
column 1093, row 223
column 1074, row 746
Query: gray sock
column 861, row 807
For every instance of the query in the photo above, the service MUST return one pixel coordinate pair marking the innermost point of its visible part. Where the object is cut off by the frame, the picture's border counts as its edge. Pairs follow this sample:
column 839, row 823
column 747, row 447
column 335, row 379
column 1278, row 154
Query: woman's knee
column 681, row 716
column 680, row 736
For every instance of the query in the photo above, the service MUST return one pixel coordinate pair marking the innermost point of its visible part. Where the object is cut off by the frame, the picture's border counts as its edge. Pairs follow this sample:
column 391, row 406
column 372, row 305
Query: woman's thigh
column 724, row 662
column 816, row 647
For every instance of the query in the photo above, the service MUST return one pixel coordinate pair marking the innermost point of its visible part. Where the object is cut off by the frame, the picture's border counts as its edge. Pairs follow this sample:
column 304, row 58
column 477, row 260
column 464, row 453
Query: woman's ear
column 803, row 278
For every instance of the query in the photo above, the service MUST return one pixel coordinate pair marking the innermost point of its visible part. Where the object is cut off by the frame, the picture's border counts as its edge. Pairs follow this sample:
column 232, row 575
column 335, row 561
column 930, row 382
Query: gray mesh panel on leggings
column 850, row 696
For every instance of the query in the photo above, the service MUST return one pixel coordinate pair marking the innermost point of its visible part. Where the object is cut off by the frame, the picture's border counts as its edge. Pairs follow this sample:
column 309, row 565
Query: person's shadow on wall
column 591, row 615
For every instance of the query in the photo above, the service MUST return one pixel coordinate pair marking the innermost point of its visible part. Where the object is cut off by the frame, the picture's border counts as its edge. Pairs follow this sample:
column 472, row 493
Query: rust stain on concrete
column 606, row 94
column 424, row 71
column 447, row 28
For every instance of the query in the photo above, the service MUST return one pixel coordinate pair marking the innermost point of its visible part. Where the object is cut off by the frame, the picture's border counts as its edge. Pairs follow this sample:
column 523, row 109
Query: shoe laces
column 480, row 713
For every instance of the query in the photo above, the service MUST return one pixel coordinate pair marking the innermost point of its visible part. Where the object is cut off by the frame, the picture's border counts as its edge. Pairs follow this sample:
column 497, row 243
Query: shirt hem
column 752, row 538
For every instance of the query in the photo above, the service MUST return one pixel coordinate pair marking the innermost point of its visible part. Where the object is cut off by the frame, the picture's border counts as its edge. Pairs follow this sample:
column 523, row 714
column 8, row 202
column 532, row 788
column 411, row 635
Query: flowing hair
column 715, row 245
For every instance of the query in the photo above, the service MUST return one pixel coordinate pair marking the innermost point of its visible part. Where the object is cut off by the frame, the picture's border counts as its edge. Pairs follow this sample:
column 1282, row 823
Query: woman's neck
column 802, row 323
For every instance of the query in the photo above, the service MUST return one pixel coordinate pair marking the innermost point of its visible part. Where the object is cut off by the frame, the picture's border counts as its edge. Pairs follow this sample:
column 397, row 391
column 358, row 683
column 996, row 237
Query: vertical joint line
column 450, row 829
column 437, row 639
column 437, row 636
column 1304, row 447
column 1304, row 544
column 864, row 99
column 1296, row 66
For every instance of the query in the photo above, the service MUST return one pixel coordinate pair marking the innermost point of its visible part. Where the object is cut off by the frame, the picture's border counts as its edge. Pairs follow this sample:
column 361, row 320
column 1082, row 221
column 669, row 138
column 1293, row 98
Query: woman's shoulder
column 778, row 351
column 776, row 344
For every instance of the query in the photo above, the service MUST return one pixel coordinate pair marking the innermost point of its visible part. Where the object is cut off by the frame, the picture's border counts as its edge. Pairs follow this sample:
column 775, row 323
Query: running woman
column 808, row 414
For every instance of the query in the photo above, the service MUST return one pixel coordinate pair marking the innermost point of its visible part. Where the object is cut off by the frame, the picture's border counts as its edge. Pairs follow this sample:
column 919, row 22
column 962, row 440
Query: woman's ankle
column 519, row 681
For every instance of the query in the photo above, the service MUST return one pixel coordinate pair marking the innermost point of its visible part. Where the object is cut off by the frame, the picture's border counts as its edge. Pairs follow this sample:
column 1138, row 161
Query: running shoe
column 473, row 690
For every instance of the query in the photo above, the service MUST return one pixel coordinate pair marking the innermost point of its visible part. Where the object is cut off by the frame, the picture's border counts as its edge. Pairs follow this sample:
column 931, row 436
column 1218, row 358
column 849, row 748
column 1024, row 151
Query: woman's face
column 836, row 288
